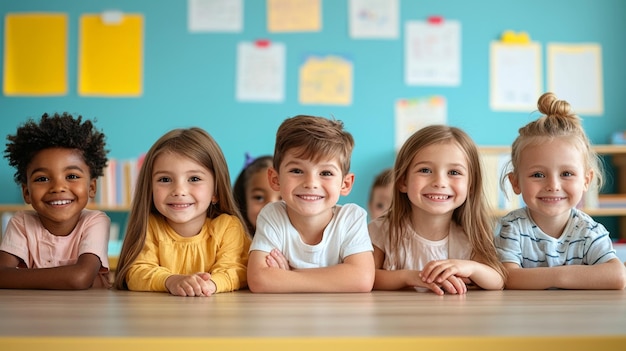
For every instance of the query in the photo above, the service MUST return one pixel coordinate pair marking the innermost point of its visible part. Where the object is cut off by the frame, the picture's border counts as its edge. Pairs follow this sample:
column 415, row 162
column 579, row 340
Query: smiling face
column 258, row 194
column 437, row 180
column 310, row 189
column 552, row 179
column 182, row 192
column 58, row 187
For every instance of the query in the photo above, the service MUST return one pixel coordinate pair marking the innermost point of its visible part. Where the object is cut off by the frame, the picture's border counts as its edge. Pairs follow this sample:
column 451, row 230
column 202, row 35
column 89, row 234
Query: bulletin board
column 188, row 76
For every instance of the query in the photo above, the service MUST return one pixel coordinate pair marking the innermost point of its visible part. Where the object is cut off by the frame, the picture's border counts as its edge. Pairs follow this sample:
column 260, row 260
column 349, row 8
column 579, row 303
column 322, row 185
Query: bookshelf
column 604, row 205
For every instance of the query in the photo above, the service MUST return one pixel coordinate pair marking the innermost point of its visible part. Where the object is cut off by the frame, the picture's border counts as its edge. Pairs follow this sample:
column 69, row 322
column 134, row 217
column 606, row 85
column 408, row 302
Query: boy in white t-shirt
column 306, row 242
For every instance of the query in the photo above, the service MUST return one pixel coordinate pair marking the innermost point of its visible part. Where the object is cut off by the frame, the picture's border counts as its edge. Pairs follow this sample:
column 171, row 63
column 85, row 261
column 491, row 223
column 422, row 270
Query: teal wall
column 189, row 79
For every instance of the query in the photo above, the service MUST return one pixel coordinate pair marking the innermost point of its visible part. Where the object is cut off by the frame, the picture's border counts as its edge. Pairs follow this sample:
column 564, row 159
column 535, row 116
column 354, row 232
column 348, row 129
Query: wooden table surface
column 121, row 320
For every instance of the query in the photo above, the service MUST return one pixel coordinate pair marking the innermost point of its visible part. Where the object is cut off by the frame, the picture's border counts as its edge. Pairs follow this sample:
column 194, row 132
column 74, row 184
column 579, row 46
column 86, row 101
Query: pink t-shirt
column 27, row 239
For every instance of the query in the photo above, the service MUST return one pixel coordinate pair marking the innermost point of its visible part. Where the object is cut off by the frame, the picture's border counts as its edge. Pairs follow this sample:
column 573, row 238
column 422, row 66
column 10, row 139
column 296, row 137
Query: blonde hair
column 316, row 138
column 474, row 216
column 195, row 144
column 557, row 121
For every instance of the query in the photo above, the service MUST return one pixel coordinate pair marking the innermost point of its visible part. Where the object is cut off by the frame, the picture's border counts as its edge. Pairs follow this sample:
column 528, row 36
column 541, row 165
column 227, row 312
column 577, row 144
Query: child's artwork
column 416, row 113
column 326, row 80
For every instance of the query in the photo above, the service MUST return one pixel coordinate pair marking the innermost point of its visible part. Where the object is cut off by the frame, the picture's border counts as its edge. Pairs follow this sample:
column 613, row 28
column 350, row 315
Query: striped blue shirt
column 583, row 241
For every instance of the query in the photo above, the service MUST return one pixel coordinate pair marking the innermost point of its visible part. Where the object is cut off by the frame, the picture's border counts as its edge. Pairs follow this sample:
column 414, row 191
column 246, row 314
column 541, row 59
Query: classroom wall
column 189, row 79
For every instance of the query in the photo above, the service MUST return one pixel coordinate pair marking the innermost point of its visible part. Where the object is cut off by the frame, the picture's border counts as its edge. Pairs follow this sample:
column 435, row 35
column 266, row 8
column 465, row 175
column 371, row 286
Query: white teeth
column 438, row 197
column 310, row 197
column 180, row 205
column 60, row 202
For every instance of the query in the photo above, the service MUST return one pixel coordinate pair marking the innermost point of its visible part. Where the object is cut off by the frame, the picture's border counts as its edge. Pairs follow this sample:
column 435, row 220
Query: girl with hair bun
column 550, row 243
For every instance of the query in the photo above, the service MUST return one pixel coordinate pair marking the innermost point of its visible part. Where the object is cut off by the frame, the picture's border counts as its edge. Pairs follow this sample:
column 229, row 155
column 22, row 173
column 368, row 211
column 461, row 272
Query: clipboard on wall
column 515, row 73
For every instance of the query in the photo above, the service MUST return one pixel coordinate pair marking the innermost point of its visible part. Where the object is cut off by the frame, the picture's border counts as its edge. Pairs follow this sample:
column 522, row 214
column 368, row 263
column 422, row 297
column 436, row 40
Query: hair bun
column 549, row 105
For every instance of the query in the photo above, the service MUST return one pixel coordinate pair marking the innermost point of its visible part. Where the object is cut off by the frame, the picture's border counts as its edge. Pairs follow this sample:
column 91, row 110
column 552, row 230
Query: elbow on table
column 257, row 283
column 81, row 281
column 620, row 283
column 364, row 285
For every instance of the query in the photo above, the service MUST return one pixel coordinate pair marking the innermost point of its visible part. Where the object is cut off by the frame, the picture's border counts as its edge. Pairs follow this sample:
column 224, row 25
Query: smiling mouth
column 552, row 199
column 180, row 206
column 60, row 202
column 438, row 197
column 310, row 197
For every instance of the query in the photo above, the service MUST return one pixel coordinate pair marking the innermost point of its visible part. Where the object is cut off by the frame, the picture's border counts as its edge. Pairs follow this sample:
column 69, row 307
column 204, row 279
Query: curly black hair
column 62, row 131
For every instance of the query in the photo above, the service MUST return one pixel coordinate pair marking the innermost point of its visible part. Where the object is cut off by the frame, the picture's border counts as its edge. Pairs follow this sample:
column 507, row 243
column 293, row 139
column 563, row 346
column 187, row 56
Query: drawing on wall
column 37, row 66
column 515, row 73
column 432, row 52
column 373, row 19
column 215, row 15
column 413, row 114
column 110, row 61
column 294, row 15
column 326, row 80
column 575, row 75
column 261, row 71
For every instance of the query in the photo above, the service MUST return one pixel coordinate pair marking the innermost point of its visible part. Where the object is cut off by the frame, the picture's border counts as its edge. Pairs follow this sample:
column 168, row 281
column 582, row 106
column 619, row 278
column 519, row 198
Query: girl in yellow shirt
column 185, row 234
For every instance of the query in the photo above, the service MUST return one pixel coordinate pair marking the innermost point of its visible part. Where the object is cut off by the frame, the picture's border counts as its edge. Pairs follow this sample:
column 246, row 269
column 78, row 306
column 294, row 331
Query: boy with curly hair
column 59, row 244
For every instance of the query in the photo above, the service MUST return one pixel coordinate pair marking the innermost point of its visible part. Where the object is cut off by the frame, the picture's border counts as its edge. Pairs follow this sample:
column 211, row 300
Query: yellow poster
column 110, row 59
column 294, row 15
column 35, row 54
column 326, row 81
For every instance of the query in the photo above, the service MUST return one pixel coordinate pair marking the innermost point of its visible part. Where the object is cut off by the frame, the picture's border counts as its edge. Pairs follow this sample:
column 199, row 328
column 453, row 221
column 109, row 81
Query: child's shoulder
column 349, row 213
column 520, row 213
column 351, row 208
column 581, row 219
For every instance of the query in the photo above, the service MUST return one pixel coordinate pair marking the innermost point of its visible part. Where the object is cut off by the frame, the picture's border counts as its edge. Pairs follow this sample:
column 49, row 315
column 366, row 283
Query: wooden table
column 402, row 320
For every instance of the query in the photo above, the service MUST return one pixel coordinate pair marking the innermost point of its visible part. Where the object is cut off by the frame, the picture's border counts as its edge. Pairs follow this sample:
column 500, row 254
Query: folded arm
column 355, row 274
column 80, row 275
column 603, row 276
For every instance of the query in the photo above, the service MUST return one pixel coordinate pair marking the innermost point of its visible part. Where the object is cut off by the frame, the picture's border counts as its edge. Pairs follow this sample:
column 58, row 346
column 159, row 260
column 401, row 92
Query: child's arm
column 404, row 278
column 480, row 274
column 145, row 272
column 231, row 254
column 355, row 274
column 80, row 275
column 608, row 275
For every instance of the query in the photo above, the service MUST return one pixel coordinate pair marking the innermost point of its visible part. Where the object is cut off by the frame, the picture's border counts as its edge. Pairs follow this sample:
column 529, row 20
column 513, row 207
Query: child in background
column 438, row 233
column 185, row 235
column 550, row 243
column 59, row 245
column 381, row 194
column 308, row 243
column 252, row 190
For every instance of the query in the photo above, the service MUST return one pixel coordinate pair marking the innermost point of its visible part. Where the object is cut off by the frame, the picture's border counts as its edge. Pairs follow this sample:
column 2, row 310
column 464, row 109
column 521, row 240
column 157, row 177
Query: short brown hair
column 315, row 138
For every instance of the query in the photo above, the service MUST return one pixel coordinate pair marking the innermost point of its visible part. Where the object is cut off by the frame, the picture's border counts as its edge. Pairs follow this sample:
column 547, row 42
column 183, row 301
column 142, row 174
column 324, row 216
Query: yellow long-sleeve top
column 221, row 248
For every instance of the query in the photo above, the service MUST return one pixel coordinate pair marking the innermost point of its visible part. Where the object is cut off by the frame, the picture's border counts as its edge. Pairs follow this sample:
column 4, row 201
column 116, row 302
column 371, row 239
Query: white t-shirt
column 345, row 235
column 414, row 251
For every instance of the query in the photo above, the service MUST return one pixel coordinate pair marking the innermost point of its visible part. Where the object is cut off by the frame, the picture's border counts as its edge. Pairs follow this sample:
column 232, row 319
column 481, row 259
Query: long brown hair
column 195, row 144
column 474, row 216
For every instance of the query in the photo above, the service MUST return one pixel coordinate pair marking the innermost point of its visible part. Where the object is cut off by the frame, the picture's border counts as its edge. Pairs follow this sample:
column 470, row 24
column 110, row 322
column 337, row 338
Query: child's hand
column 276, row 259
column 199, row 284
column 439, row 271
column 452, row 285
